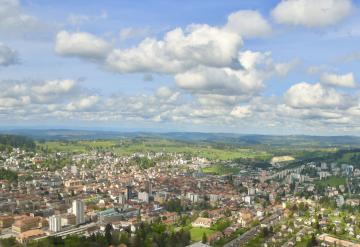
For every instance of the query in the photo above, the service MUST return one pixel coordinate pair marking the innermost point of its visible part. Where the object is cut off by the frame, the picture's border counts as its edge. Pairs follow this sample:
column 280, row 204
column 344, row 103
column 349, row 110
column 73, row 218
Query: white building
column 55, row 223
column 143, row 196
column 202, row 222
column 122, row 199
column 78, row 209
column 194, row 198
column 251, row 191
column 248, row 199
column 340, row 201
column 214, row 198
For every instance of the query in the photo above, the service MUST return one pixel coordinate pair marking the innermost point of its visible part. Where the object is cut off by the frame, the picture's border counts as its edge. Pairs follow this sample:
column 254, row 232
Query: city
column 50, row 195
column 192, row 123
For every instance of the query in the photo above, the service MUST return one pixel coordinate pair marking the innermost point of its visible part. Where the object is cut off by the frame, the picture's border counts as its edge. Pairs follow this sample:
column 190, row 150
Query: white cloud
column 84, row 104
column 346, row 80
column 8, row 56
column 312, row 115
column 248, row 24
column 179, row 50
column 14, row 22
column 240, row 112
column 149, row 56
column 8, row 102
column 81, row 44
column 220, row 81
column 243, row 82
column 283, row 69
column 46, row 92
column 67, row 101
column 165, row 93
column 251, row 60
column 54, row 87
column 305, row 95
column 310, row 13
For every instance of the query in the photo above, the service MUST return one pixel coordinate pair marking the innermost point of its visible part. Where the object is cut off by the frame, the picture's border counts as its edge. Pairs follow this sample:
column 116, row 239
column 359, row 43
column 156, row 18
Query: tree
column 173, row 205
column 265, row 232
column 8, row 242
column 312, row 241
column 15, row 141
column 205, row 214
column 124, row 238
column 204, row 238
column 108, row 233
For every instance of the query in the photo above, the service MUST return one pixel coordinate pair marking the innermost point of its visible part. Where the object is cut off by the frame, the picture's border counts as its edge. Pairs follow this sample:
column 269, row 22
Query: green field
column 125, row 147
column 197, row 233
column 220, row 169
column 332, row 181
column 210, row 150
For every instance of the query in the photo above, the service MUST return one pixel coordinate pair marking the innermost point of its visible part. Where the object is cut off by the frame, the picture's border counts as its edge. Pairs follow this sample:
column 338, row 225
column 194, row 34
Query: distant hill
column 194, row 137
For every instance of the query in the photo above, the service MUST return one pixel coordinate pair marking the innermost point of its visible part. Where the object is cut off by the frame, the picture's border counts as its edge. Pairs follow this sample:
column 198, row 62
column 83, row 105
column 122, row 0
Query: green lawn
column 197, row 233
column 332, row 181
column 221, row 169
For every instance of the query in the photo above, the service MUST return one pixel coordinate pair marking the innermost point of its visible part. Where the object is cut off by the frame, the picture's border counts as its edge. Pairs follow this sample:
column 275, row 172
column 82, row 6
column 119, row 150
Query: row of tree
column 146, row 235
column 14, row 141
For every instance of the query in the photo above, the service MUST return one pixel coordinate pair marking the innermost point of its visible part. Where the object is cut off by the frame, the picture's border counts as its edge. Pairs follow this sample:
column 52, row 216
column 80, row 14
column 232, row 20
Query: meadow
column 130, row 146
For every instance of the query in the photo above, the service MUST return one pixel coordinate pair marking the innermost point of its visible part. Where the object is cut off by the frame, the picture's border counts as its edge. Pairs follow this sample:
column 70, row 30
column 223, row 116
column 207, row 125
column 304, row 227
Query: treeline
column 14, row 141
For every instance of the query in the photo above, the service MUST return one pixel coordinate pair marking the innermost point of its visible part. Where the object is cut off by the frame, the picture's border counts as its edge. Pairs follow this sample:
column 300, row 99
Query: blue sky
column 252, row 66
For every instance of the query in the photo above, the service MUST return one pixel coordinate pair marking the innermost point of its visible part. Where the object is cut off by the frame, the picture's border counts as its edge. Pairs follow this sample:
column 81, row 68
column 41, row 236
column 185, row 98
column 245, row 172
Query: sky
column 246, row 66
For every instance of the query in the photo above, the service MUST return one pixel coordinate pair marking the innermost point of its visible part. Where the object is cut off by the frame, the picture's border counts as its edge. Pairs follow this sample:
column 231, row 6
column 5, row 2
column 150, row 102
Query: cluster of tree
column 144, row 162
column 7, row 142
column 8, row 242
column 8, row 175
column 173, row 205
column 221, row 224
column 312, row 241
column 96, row 240
column 156, row 234
column 355, row 160
column 146, row 235
column 310, row 171
column 56, row 163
